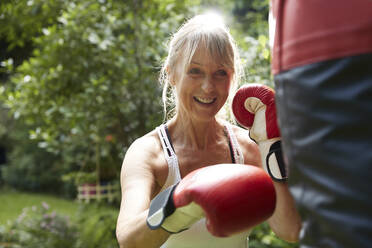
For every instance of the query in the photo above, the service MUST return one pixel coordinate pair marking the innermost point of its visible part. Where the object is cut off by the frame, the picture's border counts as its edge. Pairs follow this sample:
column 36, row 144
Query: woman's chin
column 206, row 113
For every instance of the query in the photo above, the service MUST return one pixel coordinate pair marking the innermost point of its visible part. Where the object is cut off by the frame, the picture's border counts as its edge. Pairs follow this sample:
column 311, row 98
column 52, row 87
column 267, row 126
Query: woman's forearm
column 134, row 233
column 286, row 221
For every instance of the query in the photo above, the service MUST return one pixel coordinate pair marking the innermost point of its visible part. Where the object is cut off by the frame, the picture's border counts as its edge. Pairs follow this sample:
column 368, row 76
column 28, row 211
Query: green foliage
column 263, row 237
column 13, row 201
column 251, row 32
column 90, row 87
column 80, row 177
column 39, row 227
column 252, row 16
column 20, row 20
column 255, row 54
column 96, row 230
column 39, row 169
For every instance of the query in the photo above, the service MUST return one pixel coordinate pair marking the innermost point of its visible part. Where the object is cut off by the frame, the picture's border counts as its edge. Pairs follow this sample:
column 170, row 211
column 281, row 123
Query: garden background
column 78, row 83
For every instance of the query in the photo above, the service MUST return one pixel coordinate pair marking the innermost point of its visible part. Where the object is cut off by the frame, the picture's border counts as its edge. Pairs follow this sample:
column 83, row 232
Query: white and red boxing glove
column 254, row 108
column 232, row 198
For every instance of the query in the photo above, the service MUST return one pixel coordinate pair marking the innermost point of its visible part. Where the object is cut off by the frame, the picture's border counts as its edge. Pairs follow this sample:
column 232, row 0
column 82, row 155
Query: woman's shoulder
column 146, row 146
column 145, row 157
column 249, row 147
column 242, row 135
column 238, row 130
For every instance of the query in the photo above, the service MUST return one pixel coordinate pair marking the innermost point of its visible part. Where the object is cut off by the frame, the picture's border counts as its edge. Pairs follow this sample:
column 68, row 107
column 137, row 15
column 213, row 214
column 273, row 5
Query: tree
column 90, row 87
column 253, row 38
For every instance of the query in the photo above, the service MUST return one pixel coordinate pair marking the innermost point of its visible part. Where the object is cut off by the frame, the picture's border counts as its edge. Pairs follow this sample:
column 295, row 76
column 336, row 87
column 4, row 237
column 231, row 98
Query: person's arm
column 286, row 221
column 254, row 108
column 138, row 185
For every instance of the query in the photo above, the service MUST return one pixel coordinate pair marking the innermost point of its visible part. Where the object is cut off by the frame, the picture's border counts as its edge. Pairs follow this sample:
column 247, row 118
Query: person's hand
column 254, row 108
column 232, row 197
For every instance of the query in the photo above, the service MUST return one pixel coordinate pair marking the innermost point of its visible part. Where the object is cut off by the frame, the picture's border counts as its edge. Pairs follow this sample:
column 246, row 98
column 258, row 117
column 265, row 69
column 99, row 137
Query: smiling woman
column 201, row 70
column 210, row 45
column 204, row 88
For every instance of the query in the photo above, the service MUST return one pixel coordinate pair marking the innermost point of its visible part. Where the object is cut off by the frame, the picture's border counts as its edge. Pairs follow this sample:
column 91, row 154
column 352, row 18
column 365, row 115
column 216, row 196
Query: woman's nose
column 207, row 84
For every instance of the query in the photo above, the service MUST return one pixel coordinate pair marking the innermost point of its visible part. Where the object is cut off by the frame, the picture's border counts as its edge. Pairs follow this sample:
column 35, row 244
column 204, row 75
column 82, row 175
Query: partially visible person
column 322, row 66
column 200, row 73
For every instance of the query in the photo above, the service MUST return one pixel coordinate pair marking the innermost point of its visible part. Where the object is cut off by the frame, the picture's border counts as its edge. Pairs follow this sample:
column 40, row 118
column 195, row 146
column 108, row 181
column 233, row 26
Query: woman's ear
column 171, row 76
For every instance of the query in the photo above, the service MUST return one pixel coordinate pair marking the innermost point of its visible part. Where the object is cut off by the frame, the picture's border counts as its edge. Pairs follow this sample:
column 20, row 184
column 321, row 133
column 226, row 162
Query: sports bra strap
column 170, row 155
column 237, row 152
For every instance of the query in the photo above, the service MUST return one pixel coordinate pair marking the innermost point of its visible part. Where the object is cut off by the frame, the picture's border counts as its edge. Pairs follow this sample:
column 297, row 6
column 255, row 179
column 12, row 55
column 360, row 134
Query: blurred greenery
column 13, row 201
column 87, row 85
column 91, row 78
column 38, row 168
column 263, row 237
column 46, row 221
column 38, row 227
column 78, row 83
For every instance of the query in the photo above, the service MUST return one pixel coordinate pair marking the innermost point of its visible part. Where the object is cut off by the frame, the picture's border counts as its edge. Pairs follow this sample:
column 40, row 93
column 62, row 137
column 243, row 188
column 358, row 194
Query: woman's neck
column 198, row 135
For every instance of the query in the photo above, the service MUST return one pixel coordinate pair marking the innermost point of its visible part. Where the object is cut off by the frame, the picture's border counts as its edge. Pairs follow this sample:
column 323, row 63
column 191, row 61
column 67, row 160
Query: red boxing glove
column 254, row 108
column 232, row 197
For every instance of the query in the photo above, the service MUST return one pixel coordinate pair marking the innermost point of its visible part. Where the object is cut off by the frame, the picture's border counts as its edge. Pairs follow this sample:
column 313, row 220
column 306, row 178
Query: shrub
column 38, row 227
column 40, row 170
column 96, row 227
column 263, row 237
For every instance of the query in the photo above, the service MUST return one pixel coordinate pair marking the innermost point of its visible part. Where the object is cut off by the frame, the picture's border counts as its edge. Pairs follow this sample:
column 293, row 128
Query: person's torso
column 312, row 31
column 197, row 236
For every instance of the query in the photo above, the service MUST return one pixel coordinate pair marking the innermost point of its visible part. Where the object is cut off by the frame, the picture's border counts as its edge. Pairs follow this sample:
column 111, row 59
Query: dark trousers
column 325, row 118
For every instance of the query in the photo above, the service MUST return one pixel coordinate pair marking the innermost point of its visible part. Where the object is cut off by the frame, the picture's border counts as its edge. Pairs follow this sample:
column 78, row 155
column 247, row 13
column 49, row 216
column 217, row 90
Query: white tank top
column 197, row 236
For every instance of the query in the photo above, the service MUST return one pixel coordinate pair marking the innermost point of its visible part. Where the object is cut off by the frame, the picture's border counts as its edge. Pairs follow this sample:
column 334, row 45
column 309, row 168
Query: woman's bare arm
column 138, row 186
column 286, row 221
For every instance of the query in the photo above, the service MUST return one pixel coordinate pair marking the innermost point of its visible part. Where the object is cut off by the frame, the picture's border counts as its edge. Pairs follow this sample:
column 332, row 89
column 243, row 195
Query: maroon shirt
column 310, row 31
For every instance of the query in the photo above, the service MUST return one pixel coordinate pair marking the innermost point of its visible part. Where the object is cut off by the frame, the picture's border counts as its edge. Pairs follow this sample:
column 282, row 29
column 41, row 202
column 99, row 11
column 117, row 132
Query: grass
column 12, row 202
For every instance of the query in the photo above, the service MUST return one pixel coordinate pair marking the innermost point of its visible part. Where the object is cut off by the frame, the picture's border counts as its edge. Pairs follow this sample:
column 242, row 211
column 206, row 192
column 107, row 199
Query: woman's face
column 202, row 86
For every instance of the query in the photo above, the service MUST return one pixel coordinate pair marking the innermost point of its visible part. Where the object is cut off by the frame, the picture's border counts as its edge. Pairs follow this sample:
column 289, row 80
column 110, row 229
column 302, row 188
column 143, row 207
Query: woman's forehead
column 204, row 56
column 201, row 56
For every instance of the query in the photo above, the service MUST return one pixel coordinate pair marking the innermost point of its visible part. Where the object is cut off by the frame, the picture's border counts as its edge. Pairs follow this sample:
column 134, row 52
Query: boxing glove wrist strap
column 275, row 162
column 161, row 207
column 164, row 214
column 272, row 159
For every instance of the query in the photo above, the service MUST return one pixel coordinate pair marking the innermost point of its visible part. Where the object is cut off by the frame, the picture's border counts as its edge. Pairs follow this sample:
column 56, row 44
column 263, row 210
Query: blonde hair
column 209, row 30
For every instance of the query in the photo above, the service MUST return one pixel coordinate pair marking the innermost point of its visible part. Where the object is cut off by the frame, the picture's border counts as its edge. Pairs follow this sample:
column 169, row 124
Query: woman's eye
column 221, row 73
column 194, row 71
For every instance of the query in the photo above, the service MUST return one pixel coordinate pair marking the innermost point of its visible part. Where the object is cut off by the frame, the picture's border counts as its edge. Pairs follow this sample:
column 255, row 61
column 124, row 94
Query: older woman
column 201, row 70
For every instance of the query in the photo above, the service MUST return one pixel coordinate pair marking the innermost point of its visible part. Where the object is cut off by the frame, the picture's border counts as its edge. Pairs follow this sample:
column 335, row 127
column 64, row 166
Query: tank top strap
column 236, row 150
column 174, row 175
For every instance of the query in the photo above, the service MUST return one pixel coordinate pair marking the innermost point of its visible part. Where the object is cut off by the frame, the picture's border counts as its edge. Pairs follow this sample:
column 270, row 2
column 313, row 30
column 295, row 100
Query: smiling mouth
column 204, row 100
